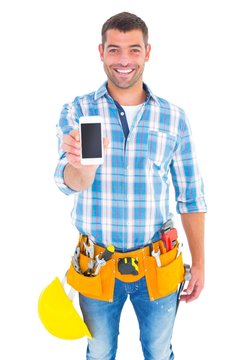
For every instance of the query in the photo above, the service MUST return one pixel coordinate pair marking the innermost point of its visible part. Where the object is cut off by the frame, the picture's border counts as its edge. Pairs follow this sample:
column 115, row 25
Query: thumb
column 190, row 286
column 105, row 142
column 75, row 134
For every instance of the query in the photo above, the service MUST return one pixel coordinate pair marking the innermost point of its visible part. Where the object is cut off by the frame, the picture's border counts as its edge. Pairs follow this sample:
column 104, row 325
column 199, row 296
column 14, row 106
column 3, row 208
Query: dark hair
column 125, row 22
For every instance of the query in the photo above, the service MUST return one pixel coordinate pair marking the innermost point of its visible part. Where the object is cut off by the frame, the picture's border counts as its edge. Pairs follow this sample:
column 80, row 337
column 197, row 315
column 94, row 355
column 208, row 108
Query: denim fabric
column 155, row 318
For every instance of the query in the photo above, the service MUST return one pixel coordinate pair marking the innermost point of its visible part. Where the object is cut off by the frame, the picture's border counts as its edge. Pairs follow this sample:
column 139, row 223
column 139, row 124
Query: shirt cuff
column 193, row 206
column 59, row 177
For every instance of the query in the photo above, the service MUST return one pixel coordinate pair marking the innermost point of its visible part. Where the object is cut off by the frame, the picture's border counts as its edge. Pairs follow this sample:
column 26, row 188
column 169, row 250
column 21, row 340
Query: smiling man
column 125, row 201
column 124, row 56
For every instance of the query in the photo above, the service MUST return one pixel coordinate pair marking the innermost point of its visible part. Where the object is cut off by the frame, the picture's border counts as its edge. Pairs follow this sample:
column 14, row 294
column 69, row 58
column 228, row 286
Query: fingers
column 71, row 143
column 191, row 293
column 195, row 286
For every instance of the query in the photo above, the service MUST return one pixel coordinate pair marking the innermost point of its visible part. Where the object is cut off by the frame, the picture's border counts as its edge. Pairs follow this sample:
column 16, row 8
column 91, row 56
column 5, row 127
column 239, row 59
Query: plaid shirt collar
column 102, row 91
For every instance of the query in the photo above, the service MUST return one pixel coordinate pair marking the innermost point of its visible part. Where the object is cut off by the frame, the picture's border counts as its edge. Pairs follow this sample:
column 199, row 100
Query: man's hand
column 71, row 145
column 195, row 285
column 77, row 176
column 193, row 224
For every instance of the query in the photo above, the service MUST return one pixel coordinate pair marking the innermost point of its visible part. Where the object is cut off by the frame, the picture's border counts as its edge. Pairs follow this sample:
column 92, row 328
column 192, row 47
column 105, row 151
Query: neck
column 134, row 95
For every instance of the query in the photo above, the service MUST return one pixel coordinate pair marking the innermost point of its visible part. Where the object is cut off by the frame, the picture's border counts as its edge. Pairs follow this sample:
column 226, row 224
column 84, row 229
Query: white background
column 48, row 56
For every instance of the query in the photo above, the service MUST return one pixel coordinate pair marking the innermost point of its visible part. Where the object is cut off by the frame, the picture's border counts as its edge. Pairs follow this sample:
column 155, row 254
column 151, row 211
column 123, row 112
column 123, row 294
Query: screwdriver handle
column 108, row 252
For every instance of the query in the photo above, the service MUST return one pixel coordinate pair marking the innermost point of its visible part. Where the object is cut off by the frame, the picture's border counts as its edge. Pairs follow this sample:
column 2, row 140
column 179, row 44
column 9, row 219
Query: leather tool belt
column 161, row 280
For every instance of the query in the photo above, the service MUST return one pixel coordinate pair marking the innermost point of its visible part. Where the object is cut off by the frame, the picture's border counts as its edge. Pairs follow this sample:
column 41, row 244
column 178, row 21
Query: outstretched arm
column 78, row 177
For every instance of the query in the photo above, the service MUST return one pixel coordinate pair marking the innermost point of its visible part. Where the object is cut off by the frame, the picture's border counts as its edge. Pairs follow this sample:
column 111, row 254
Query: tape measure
column 128, row 266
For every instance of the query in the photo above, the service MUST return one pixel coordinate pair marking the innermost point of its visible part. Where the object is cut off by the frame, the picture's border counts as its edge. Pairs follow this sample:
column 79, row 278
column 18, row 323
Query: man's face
column 124, row 56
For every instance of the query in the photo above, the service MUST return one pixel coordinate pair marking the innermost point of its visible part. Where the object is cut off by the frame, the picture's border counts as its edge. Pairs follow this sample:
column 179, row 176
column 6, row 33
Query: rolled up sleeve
column 186, row 177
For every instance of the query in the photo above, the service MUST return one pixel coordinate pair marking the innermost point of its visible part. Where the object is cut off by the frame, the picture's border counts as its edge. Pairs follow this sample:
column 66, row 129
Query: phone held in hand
column 90, row 129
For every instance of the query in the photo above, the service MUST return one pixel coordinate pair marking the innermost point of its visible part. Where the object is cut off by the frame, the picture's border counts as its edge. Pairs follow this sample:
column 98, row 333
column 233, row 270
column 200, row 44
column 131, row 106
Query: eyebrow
column 131, row 46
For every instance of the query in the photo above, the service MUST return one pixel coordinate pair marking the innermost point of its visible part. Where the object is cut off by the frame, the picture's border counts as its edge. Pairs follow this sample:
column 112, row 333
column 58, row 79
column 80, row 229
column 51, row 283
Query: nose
column 123, row 59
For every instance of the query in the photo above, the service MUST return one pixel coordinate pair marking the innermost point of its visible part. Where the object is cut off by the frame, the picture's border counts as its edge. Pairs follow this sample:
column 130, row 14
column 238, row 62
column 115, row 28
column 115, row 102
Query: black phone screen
column 91, row 140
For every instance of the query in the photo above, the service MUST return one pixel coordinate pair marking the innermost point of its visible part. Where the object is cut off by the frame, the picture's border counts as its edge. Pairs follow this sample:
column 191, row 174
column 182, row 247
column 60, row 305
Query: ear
column 148, row 50
column 100, row 49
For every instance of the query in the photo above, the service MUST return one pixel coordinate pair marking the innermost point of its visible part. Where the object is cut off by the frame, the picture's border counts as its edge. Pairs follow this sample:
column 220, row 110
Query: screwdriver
column 108, row 252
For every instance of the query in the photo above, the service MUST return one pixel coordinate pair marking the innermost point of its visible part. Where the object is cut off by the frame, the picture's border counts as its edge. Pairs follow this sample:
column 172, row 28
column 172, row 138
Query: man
column 124, row 202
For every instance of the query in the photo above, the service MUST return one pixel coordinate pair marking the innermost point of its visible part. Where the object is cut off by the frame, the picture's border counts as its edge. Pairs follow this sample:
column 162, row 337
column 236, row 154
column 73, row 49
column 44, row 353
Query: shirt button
column 122, row 113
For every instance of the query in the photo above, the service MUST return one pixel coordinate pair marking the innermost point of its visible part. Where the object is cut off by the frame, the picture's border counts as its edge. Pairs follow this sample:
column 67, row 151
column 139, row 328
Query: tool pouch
column 97, row 287
column 165, row 279
column 161, row 281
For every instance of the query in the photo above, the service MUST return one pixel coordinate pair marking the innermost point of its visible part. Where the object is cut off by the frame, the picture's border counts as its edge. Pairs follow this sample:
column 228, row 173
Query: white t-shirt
column 131, row 113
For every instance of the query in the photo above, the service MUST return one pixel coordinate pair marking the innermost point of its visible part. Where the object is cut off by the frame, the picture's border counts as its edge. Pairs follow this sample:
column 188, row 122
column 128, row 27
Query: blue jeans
column 155, row 318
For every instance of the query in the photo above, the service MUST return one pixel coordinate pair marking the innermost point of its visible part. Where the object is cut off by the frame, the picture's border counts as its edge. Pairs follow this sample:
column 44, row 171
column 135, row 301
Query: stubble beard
column 121, row 84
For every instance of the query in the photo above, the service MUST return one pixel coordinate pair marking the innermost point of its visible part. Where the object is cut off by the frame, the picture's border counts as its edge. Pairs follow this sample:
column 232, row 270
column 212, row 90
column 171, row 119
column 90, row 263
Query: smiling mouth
column 124, row 71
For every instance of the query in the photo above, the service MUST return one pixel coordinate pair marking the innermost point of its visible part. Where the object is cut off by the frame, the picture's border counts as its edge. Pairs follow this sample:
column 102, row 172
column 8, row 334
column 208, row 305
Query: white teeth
column 124, row 71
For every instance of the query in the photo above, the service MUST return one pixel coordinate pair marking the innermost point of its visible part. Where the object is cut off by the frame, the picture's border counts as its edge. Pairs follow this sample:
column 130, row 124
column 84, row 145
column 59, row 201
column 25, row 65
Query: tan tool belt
column 161, row 281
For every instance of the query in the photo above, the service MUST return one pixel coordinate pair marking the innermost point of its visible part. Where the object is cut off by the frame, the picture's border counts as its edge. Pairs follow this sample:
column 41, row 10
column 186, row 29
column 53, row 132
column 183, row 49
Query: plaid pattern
column 128, row 201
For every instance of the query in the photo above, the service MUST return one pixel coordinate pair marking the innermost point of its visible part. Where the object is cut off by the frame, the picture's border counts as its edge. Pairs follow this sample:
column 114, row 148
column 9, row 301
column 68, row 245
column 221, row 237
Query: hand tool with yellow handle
column 108, row 252
column 128, row 266
column 102, row 258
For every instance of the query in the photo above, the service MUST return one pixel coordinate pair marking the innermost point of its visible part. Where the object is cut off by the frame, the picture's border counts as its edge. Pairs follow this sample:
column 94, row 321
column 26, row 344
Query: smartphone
column 90, row 129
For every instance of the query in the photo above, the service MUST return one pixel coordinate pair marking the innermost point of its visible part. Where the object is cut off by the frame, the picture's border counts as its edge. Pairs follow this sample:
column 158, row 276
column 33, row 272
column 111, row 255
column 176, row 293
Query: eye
column 135, row 50
column 112, row 51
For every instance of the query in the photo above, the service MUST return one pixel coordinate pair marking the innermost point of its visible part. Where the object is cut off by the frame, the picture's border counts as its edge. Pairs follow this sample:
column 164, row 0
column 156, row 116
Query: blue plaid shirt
column 129, row 198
